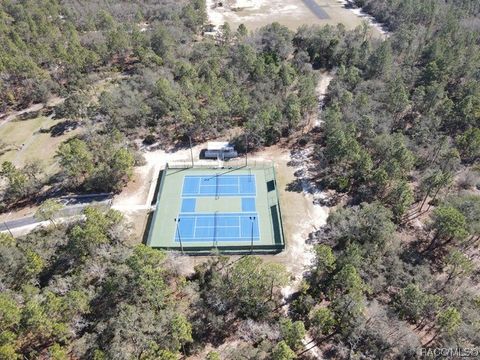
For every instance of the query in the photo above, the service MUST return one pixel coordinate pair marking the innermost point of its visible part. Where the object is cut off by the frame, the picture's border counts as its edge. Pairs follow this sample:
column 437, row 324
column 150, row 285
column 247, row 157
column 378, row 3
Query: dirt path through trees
column 300, row 215
column 54, row 101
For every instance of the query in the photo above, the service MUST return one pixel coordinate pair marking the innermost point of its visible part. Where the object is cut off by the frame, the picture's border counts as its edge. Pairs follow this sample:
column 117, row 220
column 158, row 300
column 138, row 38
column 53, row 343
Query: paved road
column 316, row 9
column 4, row 226
column 73, row 206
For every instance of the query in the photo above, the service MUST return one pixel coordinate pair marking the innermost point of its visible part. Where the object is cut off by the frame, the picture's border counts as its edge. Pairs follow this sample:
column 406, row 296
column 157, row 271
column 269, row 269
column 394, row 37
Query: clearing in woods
column 33, row 140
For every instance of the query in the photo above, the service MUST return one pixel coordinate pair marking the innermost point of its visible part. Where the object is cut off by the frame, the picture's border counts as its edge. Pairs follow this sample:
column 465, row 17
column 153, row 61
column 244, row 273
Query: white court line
column 195, row 228
column 231, row 185
column 239, row 227
column 222, row 226
column 257, row 237
column 215, row 229
column 229, row 217
column 183, row 185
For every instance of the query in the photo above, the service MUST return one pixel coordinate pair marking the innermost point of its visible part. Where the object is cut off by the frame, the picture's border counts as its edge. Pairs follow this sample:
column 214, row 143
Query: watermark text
column 455, row 352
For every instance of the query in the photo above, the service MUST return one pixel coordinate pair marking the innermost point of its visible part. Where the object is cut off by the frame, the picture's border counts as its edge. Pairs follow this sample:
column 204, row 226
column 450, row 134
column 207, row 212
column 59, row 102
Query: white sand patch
column 314, row 217
column 321, row 91
column 137, row 190
column 144, row 26
column 370, row 19
column 140, row 191
column 288, row 8
column 305, row 217
column 313, row 350
column 310, row 217
column 300, row 215
column 322, row 85
column 214, row 13
column 247, row 4
column 292, row 13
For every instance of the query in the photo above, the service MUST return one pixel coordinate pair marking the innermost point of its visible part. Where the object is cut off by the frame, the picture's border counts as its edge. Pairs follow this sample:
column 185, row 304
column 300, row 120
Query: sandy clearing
column 300, row 217
column 136, row 198
column 141, row 189
column 321, row 91
column 380, row 29
column 292, row 13
column 316, row 215
column 136, row 191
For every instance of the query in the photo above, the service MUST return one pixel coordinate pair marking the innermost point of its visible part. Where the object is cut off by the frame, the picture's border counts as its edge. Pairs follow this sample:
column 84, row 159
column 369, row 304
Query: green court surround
column 163, row 231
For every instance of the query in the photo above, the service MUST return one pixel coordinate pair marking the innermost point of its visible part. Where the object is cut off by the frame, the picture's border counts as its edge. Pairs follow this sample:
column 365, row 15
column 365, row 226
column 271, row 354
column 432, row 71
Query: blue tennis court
column 219, row 227
column 188, row 205
column 248, row 205
column 219, row 185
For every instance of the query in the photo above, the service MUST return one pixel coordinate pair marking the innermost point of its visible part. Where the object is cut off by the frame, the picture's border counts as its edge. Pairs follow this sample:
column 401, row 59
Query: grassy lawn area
column 19, row 131
column 25, row 142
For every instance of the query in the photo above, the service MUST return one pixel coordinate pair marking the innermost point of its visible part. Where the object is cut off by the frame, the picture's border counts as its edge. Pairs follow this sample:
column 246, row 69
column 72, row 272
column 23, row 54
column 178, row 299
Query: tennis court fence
column 230, row 164
column 226, row 237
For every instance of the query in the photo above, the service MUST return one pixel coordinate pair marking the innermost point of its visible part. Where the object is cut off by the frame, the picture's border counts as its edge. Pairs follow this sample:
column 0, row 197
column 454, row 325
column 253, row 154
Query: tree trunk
column 430, row 246
column 433, row 198
column 448, row 241
column 431, row 340
column 425, row 199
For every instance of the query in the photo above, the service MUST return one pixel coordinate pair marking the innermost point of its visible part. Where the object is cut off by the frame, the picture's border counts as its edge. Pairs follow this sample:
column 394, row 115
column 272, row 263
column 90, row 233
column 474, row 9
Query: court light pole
column 246, row 149
column 252, row 219
column 191, row 150
column 177, row 222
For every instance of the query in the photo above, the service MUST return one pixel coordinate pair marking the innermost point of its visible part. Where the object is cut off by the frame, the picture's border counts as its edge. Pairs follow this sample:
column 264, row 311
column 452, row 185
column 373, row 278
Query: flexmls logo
column 442, row 353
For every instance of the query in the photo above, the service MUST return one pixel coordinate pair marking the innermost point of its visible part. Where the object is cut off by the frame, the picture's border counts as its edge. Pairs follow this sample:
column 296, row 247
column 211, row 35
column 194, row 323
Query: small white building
column 220, row 150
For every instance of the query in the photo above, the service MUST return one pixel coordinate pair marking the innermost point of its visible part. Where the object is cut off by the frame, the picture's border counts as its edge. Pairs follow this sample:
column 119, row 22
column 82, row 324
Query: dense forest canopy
column 401, row 141
column 395, row 266
column 173, row 83
column 49, row 44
